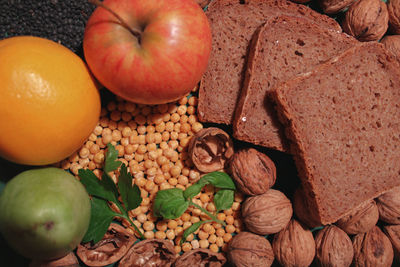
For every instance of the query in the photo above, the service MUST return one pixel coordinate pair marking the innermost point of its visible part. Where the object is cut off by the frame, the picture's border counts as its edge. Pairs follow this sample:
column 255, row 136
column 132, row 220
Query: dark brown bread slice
column 233, row 25
column 280, row 50
column 344, row 123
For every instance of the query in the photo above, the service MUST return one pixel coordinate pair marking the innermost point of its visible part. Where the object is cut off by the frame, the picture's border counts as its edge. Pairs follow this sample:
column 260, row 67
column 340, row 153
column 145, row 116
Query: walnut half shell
column 114, row 245
column 200, row 257
column 150, row 252
column 210, row 149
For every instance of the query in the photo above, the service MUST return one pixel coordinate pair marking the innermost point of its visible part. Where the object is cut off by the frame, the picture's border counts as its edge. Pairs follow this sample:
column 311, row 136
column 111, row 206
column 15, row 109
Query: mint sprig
column 104, row 191
column 172, row 203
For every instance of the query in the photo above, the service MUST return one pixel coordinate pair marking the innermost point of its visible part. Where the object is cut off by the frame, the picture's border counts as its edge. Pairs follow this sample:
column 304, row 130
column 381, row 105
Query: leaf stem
column 126, row 216
column 208, row 213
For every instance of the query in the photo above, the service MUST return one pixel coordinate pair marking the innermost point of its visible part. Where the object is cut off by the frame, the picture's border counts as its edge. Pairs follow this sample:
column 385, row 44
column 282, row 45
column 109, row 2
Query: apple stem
column 135, row 32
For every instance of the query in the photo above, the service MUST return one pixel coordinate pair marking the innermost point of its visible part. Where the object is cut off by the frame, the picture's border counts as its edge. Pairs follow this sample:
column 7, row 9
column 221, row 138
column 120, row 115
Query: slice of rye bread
column 232, row 25
column 281, row 49
column 343, row 121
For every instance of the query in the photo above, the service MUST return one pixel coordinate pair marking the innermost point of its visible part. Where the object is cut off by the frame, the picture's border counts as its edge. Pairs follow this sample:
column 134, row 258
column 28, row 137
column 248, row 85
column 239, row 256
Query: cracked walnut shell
column 294, row 245
column 200, row 257
column 333, row 247
column 366, row 20
column 114, row 245
column 250, row 250
column 360, row 220
column 268, row 213
column 372, row 249
column 253, row 172
column 389, row 206
column 210, row 149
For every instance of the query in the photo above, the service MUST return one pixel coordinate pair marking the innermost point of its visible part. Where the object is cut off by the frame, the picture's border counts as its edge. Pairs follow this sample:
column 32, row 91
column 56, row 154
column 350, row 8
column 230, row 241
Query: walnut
column 114, row 245
column 393, row 233
column 394, row 15
column 389, row 206
column 253, row 171
column 294, row 246
column 392, row 44
column 267, row 213
column 203, row 3
column 200, row 257
column 67, row 261
column 367, row 20
column 210, row 149
column 372, row 248
column 303, row 210
column 250, row 250
column 334, row 6
column 150, row 252
column 360, row 220
column 334, row 247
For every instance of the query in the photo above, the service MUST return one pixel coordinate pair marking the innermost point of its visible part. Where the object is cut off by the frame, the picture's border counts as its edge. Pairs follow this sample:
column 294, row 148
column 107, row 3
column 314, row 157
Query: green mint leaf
column 100, row 218
column 223, row 199
column 130, row 195
column 219, row 180
column 192, row 190
column 170, row 203
column 111, row 163
column 191, row 229
column 95, row 186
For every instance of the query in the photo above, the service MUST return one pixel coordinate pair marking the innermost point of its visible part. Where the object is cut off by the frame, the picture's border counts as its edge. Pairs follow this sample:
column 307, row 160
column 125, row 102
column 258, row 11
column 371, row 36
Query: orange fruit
column 49, row 102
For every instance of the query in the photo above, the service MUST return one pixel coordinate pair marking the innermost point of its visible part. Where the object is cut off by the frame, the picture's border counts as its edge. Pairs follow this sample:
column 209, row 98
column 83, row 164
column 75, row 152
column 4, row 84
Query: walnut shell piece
column 210, row 149
column 250, row 250
column 268, row 213
column 394, row 15
column 114, row 245
column 150, row 252
column 372, row 249
column 294, row 246
column 360, row 220
column 393, row 233
column 334, row 6
column 389, row 206
column 253, row 172
column 333, row 247
column 67, row 261
column 366, row 20
column 392, row 43
column 200, row 257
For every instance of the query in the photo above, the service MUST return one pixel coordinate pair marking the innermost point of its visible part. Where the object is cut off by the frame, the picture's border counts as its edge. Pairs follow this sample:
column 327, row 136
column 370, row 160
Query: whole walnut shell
column 150, row 252
column 114, row 245
column 394, row 15
column 334, row 247
column 210, row 149
column 372, row 249
column 360, row 220
column 200, row 257
column 392, row 43
column 68, row 261
column 393, row 233
column 366, row 20
column 303, row 210
column 294, row 245
column 267, row 213
column 334, row 6
column 389, row 206
column 253, row 172
column 250, row 250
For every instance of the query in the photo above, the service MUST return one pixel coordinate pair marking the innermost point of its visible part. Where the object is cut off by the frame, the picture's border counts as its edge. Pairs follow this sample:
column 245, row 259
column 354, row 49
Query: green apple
column 44, row 213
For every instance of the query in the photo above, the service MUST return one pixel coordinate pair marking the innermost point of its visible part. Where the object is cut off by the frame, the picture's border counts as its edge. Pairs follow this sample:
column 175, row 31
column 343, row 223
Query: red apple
column 155, row 52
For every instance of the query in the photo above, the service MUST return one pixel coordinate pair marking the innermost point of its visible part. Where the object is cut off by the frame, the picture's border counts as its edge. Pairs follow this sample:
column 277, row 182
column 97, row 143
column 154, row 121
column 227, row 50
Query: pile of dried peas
column 152, row 141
